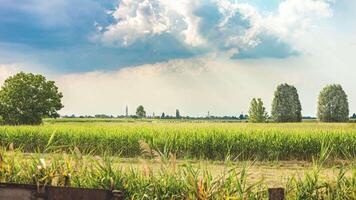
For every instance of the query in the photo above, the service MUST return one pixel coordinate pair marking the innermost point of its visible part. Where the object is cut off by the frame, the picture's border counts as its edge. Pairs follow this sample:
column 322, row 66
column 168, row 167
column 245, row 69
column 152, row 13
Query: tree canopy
column 26, row 98
column 257, row 111
column 333, row 105
column 140, row 111
column 286, row 106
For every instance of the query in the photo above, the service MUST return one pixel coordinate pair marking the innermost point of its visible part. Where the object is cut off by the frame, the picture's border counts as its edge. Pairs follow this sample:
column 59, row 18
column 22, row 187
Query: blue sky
column 91, row 38
column 59, row 35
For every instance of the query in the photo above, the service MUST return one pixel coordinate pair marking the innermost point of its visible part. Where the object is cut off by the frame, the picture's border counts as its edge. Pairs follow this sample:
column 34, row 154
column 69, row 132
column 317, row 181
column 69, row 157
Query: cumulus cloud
column 137, row 19
column 66, row 36
column 296, row 16
column 217, row 25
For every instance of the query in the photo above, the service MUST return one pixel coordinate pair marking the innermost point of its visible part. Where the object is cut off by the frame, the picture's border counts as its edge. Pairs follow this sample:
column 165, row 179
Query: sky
column 192, row 55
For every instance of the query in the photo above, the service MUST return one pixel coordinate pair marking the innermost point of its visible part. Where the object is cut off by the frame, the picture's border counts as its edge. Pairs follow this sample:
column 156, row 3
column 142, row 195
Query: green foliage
column 26, row 98
column 170, row 181
column 213, row 141
column 257, row 111
column 333, row 105
column 286, row 106
column 140, row 111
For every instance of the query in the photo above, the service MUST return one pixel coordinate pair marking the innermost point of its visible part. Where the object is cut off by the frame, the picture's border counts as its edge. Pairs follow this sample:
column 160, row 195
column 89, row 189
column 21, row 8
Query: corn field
column 213, row 141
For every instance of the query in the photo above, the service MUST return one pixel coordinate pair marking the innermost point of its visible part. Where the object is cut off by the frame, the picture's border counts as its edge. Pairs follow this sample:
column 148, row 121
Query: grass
column 170, row 179
column 149, row 160
column 189, row 140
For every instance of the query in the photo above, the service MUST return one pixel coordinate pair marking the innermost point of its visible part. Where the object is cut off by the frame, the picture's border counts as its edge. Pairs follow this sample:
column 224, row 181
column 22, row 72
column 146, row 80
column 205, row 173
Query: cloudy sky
column 195, row 55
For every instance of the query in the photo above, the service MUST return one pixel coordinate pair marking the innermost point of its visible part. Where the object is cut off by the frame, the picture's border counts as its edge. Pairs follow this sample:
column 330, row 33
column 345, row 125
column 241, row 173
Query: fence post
column 117, row 195
column 276, row 194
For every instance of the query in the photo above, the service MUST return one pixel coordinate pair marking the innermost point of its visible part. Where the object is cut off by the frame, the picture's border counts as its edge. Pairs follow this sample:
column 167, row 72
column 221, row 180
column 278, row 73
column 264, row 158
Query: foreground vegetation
column 214, row 141
column 167, row 182
column 88, row 154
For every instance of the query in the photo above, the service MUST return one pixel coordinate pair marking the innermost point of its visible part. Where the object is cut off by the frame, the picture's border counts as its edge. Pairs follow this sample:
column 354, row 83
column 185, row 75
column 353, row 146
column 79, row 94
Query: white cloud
column 294, row 17
column 184, row 10
column 136, row 19
column 240, row 25
column 249, row 37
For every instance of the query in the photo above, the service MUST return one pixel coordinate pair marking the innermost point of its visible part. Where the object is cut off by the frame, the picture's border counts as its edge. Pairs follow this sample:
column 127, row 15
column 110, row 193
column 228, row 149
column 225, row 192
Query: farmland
column 184, row 159
column 189, row 140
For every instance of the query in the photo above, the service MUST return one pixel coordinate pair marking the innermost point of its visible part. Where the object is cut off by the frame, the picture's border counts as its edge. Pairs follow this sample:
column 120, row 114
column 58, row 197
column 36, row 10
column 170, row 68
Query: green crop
column 215, row 141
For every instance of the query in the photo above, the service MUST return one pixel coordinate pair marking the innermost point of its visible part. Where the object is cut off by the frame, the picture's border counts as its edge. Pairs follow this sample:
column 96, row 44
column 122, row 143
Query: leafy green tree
column 140, row 111
column 257, row 111
column 26, row 98
column 286, row 106
column 333, row 105
column 178, row 114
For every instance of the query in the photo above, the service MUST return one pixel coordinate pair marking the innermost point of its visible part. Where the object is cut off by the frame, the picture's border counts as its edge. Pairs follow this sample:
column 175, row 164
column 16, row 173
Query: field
column 189, row 140
column 178, row 159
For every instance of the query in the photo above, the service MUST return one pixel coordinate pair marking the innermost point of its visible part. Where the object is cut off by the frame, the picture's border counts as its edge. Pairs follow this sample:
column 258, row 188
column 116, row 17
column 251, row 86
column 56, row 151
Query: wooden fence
column 34, row 192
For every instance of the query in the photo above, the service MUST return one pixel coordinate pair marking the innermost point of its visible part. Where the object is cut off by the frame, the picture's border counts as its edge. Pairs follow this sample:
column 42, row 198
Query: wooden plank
column 276, row 194
column 14, row 193
column 30, row 192
column 62, row 193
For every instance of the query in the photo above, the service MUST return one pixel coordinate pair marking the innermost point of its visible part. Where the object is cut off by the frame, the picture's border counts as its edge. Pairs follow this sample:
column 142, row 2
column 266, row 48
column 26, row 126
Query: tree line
column 26, row 98
column 332, row 105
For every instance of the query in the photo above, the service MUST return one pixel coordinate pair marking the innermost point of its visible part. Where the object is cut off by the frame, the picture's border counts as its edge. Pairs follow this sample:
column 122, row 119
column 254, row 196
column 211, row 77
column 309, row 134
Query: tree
column 163, row 115
column 333, row 105
column 140, row 111
column 286, row 106
column 177, row 114
column 257, row 111
column 26, row 98
column 242, row 117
